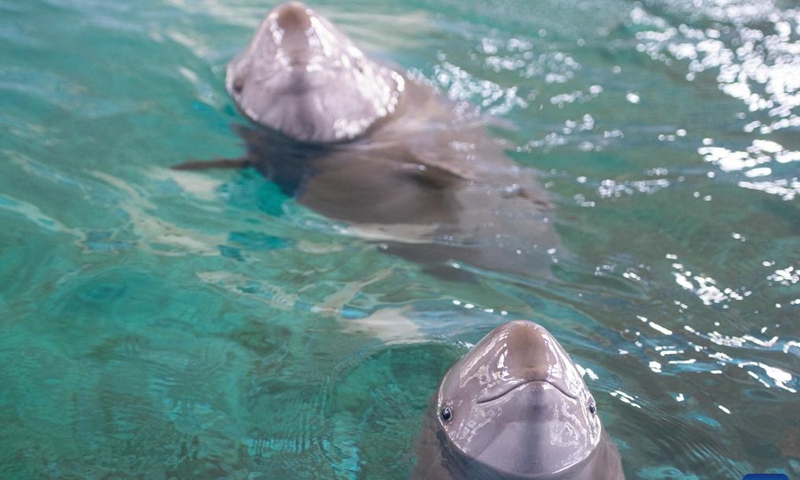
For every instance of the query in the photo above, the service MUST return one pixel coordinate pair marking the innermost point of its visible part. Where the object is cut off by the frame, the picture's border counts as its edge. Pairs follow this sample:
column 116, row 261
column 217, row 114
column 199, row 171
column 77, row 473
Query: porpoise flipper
column 388, row 190
column 223, row 163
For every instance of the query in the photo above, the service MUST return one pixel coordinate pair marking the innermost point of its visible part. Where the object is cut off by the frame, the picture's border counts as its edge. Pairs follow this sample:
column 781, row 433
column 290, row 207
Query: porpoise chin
column 515, row 407
column 301, row 76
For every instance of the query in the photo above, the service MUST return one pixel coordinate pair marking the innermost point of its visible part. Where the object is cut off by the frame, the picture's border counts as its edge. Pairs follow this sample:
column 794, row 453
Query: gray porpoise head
column 301, row 76
column 516, row 407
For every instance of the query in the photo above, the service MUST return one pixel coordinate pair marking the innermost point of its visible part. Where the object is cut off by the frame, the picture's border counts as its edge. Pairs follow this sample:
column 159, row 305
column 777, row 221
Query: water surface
column 158, row 324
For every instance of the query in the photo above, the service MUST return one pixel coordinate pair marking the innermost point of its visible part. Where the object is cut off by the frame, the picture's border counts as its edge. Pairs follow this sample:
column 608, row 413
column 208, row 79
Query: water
column 157, row 324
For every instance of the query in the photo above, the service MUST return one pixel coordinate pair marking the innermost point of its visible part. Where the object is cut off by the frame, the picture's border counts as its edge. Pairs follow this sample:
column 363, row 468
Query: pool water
column 157, row 324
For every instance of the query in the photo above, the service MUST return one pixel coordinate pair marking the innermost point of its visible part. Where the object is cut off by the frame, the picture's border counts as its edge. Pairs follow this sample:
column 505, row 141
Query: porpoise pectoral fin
column 362, row 189
column 247, row 160
column 433, row 176
column 442, row 165
column 216, row 163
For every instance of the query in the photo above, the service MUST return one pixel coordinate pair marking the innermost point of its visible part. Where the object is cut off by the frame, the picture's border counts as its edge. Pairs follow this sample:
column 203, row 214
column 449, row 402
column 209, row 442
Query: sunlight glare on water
column 165, row 324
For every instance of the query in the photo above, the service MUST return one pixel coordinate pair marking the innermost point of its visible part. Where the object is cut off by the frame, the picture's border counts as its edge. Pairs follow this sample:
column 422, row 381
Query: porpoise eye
column 238, row 85
column 359, row 64
column 447, row 413
column 592, row 407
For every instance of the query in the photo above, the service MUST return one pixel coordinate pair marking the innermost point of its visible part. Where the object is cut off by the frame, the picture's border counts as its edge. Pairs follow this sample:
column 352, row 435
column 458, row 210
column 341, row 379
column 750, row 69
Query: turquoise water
column 157, row 324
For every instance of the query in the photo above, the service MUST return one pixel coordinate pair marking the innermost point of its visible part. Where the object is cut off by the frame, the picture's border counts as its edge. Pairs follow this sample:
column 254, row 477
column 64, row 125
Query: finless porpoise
column 362, row 143
column 515, row 407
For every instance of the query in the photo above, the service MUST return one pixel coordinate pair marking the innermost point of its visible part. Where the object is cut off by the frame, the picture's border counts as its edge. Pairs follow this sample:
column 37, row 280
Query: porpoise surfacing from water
column 515, row 407
column 361, row 143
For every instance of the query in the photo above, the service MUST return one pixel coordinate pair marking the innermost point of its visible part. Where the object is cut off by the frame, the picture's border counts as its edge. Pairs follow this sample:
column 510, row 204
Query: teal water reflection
column 161, row 324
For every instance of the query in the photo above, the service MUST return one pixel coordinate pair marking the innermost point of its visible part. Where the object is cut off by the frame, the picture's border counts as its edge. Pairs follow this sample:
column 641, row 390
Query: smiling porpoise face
column 301, row 76
column 517, row 406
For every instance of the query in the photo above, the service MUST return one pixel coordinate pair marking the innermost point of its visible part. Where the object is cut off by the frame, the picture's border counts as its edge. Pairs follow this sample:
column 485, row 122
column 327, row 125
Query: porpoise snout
column 294, row 33
column 529, row 353
column 292, row 16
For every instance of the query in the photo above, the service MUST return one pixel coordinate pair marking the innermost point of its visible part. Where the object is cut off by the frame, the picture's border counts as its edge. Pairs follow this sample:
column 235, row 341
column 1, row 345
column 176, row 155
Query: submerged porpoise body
column 515, row 407
column 362, row 143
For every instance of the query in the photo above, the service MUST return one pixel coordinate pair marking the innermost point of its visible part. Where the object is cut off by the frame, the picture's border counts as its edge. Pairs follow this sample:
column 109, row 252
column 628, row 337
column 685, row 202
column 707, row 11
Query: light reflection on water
column 171, row 324
column 753, row 51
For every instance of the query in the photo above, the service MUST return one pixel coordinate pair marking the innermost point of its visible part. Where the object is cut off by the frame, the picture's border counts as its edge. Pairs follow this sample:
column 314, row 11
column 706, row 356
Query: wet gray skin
column 363, row 144
column 303, row 77
column 515, row 407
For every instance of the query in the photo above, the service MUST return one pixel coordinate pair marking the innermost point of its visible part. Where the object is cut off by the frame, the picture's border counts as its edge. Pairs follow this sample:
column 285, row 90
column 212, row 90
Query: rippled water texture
column 160, row 324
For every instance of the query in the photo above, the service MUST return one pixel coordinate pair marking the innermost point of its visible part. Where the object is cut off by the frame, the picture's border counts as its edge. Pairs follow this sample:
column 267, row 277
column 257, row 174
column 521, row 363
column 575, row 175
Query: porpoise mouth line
column 524, row 382
column 311, row 66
